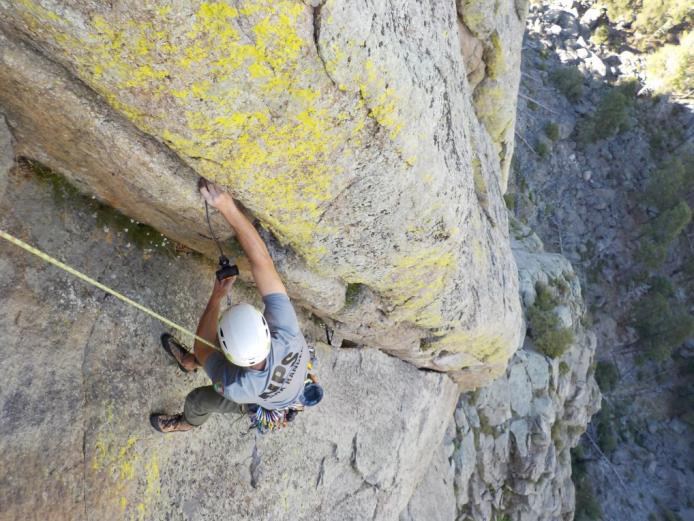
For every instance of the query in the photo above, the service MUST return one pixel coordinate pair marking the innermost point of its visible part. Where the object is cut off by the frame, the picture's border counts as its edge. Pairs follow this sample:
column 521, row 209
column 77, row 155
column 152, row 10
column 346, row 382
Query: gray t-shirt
column 282, row 381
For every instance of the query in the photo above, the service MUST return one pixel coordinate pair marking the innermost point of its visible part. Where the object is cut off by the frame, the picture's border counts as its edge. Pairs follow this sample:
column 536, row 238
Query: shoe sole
column 155, row 425
column 166, row 338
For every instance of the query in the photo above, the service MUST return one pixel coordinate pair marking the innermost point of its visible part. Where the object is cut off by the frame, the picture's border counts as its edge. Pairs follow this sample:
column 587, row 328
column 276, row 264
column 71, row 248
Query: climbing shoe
column 169, row 422
column 175, row 351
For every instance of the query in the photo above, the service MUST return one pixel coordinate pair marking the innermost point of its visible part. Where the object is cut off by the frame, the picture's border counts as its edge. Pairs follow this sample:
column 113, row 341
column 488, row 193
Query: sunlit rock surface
column 349, row 130
column 82, row 372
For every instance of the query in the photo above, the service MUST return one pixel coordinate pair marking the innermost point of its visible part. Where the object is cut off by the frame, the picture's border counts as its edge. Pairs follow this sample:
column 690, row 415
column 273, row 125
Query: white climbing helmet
column 244, row 335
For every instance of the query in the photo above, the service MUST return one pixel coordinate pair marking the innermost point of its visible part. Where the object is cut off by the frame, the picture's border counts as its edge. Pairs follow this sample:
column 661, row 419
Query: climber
column 266, row 354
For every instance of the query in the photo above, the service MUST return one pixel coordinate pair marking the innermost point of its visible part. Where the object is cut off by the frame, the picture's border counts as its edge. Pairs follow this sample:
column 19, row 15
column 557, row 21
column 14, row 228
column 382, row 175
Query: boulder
column 592, row 17
column 595, row 65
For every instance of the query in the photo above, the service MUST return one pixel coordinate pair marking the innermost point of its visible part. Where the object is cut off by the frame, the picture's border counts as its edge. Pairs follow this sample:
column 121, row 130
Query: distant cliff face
column 372, row 142
column 507, row 454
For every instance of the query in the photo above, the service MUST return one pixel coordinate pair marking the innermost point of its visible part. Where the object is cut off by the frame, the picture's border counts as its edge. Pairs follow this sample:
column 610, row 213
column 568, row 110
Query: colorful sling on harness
column 266, row 420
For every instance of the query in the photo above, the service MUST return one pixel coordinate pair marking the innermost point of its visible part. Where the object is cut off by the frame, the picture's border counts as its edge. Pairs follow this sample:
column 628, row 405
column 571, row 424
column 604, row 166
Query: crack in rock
column 321, row 473
column 316, row 12
column 256, row 460
column 378, row 127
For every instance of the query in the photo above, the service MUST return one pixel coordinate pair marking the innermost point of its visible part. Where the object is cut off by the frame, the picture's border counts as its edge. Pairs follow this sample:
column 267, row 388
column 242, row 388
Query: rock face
column 515, row 434
column 82, row 372
column 632, row 463
column 509, row 453
column 350, row 132
column 488, row 32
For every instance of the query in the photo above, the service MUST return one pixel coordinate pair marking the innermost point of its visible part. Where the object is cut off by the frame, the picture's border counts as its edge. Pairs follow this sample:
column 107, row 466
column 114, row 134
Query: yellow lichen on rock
column 152, row 487
column 332, row 126
column 278, row 137
column 282, row 152
column 120, row 464
column 415, row 283
column 382, row 99
column 487, row 347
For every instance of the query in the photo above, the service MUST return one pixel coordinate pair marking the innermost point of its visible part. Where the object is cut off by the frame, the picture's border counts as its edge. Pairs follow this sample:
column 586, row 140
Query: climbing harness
column 72, row 271
column 265, row 420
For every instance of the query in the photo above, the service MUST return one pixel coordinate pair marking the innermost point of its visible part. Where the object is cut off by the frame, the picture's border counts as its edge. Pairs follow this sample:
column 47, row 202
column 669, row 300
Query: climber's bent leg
column 203, row 401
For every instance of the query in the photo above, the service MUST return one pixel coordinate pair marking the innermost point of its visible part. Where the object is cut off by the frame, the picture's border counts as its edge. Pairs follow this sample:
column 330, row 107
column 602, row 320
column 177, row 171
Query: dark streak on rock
column 316, row 38
column 321, row 472
column 255, row 466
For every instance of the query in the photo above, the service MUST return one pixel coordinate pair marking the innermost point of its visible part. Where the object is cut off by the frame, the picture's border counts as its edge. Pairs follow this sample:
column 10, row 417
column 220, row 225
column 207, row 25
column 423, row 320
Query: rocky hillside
column 373, row 146
column 352, row 134
column 603, row 174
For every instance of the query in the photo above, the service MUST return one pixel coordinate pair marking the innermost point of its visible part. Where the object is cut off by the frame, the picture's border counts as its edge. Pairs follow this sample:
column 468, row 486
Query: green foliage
column 542, row 149
column 610, row 117
column 587, row 320
column 669, row 515
column 620, row 8
column 682, row 402
column 661, row 327
column 558, row 433
column 601, row 35
column 545, row 329
column 682, row 397
column 651, row 18
column 670, row 67
column 607, row 436
column 654, row 16
column 485, row 426
column 552, row 131
column 555, row 342
column 666, row 191
column 661, row 285
column 561, row 285
column 563, row 368
column 661, row 232
column 569, row 81
column 587, row 506
column 510, row 200
column 670, row 223
column 651, row 254
column 352, row 294
column 665, row 515
column 607, row 376
column 668, row 183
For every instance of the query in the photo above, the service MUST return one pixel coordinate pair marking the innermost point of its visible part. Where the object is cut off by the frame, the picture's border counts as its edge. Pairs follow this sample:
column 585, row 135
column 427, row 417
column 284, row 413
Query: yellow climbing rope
column 97, row 284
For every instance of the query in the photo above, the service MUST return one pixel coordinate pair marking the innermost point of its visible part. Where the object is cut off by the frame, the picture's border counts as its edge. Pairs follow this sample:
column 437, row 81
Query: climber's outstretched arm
column 264, row 273
column 207, row 326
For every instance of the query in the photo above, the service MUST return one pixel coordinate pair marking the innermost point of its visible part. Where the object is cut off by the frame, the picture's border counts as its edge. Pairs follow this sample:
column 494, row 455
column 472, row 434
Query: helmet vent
column 225, row 344
column 264, row 323
column 221, row 332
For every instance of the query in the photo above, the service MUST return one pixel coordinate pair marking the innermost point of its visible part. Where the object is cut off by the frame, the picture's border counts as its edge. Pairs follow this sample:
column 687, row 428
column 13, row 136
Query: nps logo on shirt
column 219, row 387
column 282, row 375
